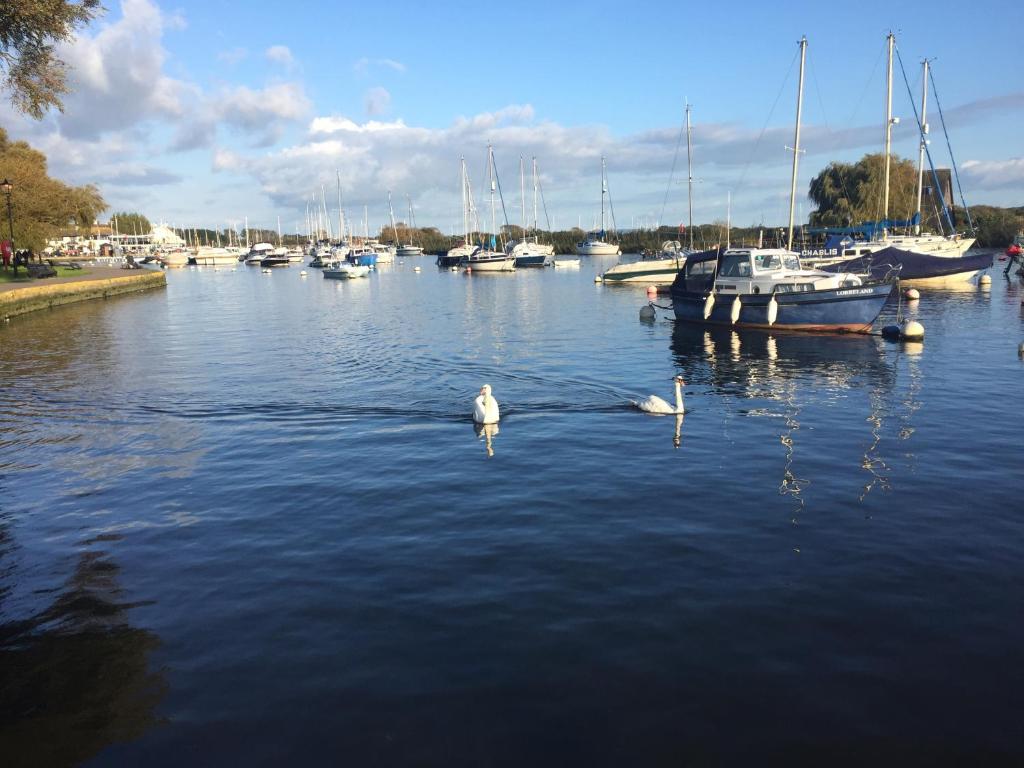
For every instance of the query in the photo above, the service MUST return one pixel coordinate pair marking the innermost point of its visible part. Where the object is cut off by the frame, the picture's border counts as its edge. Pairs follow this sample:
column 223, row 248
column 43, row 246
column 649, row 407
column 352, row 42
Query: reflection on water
column 74, row 677
column 488, row 432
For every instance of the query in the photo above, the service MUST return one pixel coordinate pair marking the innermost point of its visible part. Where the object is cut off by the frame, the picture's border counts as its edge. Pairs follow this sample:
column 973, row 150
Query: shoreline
column 101, row 283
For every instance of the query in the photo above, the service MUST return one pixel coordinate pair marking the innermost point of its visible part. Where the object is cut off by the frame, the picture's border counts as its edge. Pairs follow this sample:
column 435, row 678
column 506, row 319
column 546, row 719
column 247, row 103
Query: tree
column 130, row 223
column 43, row 206
column 849, row 193
column 29, row 30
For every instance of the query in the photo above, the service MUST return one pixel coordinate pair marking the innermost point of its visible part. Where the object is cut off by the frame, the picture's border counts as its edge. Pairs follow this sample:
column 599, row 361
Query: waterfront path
column 17, row 298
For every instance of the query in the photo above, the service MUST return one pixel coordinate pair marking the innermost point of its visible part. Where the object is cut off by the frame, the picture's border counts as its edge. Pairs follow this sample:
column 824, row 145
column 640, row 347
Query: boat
column 914, row 268
column 454, row 256
column 659, row 269
column 563, row 263
column 595, row 243
column 844, row 244
column 361, row 255
column 410, row 248
column 258, row 253
column 344, row 270
column 528, row 251
column 490, row 259
column 769, row 288
column 279, row 257
column 209, row 256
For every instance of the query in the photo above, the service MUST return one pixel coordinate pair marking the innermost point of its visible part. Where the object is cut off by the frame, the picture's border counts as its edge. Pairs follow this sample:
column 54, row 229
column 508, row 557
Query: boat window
column 849, row 252
column 701, row 267
column 768, row 261
column 792, row 261
column 735, row 265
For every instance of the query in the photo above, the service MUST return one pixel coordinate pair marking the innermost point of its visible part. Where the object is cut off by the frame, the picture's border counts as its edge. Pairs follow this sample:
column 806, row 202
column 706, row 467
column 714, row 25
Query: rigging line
column 544, row 203
column 501, row 197
column 956, row 174
column 764, row 127
column 672, row 173
column 927, row 151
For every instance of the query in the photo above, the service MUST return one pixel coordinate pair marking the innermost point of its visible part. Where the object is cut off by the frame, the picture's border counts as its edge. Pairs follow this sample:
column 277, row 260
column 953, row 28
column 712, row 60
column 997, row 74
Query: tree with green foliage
column 850, row 193
column 29, row 32
column 126, row 223
column 42, row 206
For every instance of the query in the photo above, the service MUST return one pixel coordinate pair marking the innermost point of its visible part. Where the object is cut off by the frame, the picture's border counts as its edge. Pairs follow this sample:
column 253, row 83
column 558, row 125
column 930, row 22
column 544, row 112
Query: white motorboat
column 660, row 269
column 208, row 256
column 344, row 270
column 258, row 252
column 565, row 263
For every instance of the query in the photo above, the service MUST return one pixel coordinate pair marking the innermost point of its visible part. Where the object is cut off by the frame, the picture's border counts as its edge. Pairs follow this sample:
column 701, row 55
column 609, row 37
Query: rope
column 764, row 127
column 927, row 151
column 672, row 173
column 956, row 174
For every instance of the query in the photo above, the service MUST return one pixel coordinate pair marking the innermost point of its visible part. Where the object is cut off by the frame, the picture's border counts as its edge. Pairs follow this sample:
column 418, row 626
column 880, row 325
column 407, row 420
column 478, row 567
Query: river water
column 248, row 521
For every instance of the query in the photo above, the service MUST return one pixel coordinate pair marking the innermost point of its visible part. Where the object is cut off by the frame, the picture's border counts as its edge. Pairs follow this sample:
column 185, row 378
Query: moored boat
column 768, row 288
column 660, row 269
column 344, row 270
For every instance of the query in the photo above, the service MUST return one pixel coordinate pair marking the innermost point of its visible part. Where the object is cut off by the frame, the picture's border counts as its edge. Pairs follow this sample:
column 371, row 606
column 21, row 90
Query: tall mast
column 924, row 142
column 888, row 130
column 796, row 141
column 490, row 177
column 278, row 231
column 522, row 192
column 604, row 191
column 465, row 210
column 391, row 211
column 341, row 216
column 689, row 174
column 536, row 222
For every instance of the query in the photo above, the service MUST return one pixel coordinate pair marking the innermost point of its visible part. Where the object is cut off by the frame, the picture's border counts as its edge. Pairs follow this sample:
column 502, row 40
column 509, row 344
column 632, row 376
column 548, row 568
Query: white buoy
column 911, row 294
column 911, row 330
column 735, row 313
column 773, row 310
column 455, row 269
column 302, row 273
column 647, row 312
column 985, row 281
column 417, row 269
column 652, row 290
column 597, row 278
column 709, row 304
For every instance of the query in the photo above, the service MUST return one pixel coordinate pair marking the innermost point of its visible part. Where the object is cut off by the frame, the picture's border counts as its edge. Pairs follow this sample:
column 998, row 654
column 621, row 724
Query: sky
column 209, row 113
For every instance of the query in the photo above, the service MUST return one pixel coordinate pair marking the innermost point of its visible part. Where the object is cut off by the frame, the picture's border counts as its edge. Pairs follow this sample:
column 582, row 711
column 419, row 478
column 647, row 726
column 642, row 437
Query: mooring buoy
column 908, row 330
column 985, row 280
column 911, row 294
column 647, row 312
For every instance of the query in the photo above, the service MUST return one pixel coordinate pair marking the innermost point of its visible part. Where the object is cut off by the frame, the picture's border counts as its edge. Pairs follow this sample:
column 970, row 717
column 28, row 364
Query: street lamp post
column 6, row 187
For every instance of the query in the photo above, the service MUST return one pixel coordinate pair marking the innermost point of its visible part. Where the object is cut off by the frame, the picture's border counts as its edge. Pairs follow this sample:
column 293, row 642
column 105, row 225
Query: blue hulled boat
column 768, row 288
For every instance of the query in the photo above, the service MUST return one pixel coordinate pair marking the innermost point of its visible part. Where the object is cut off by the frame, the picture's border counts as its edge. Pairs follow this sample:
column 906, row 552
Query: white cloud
column 362, row 66
column 280, row 54
column 377, row 101
column 994, row 174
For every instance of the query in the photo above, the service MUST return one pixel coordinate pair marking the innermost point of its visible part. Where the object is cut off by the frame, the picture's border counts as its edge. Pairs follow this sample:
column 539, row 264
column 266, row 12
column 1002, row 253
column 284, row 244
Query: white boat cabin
column 768, row 270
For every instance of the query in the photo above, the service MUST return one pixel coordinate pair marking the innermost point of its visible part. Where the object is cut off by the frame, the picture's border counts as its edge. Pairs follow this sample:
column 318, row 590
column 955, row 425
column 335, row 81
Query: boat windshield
column 734, row 265
column 767, row 261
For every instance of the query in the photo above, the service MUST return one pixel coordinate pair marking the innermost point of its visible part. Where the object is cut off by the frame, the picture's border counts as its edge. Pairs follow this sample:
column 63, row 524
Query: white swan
column 485, row 407
column 654, row 404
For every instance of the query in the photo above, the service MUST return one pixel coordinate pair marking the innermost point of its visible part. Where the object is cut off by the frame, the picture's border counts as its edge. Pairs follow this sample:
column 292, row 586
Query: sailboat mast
column 891, row 42
column 341, row 216
column 391, row 211
column 522, row 191
column 536, row 222
column 796, row 141
column 490, row 177
column 924, row 142
column 689, row 174
column 465, row 211
column 604, row 191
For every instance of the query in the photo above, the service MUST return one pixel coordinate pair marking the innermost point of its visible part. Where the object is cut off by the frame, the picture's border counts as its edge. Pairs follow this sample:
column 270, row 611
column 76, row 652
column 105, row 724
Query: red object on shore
column 1013, row 250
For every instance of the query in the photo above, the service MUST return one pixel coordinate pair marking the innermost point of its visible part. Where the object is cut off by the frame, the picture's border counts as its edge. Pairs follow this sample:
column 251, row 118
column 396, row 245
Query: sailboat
column 455, row 255
column 490, row 259
column 410, row 248
column 595, row 244
column 662, row 268
column 529, row 251
column 925, row 259
column 769, row 288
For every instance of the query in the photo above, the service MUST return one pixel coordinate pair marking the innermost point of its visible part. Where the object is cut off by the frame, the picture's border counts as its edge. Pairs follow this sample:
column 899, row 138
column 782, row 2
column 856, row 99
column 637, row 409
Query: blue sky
column 205, row 113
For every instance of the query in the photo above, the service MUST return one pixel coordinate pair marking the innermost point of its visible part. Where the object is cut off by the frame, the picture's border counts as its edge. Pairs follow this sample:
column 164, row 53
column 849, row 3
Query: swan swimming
column 654, row 404
column 485, row 407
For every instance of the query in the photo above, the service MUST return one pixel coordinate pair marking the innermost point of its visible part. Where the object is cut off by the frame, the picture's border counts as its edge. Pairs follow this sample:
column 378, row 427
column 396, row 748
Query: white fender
column 736, row 309
column 709, row 303
column 773, row 310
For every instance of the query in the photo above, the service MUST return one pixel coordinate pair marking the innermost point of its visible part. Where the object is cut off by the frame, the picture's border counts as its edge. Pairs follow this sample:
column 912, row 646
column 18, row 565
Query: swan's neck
column 679, row 396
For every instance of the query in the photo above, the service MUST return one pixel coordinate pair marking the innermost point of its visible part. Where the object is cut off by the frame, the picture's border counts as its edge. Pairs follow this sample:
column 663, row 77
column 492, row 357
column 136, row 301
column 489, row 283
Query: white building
column 162, row 234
